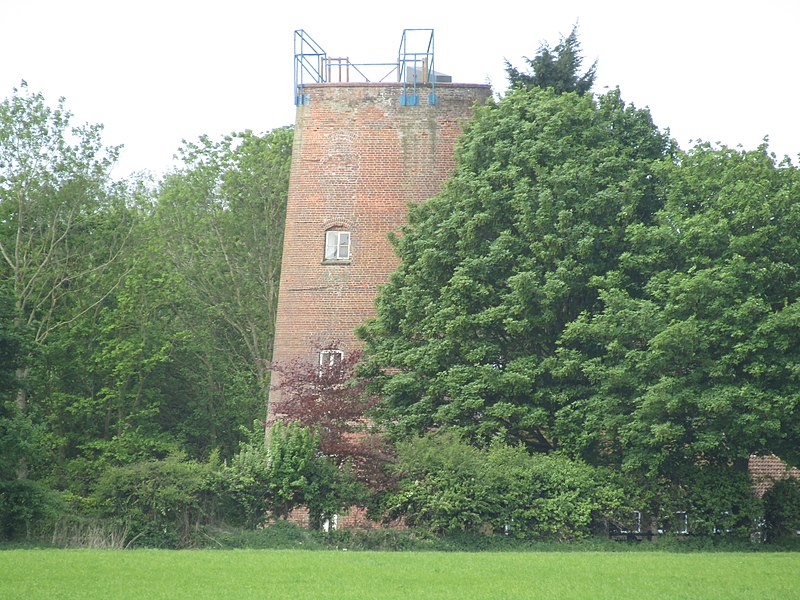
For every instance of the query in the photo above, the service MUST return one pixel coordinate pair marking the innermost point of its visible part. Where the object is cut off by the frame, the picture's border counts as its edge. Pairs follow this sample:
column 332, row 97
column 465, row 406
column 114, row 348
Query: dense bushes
column 782, row 510
column 26, row 507
column 449, row 486
column 292, row 472
column 168, row 503
column 450, row 494
column 708, row 500
column 162, row 501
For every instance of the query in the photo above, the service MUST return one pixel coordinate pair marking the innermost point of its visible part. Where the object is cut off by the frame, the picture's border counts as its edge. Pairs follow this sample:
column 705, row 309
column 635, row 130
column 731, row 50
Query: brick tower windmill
column 364, row 148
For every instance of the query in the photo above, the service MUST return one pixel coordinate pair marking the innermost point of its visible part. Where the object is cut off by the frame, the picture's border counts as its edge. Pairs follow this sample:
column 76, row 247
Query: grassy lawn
column 297, row 574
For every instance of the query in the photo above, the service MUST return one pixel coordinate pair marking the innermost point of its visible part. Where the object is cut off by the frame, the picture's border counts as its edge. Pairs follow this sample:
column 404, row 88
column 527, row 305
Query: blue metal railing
column 414, row 66
column 309, row 61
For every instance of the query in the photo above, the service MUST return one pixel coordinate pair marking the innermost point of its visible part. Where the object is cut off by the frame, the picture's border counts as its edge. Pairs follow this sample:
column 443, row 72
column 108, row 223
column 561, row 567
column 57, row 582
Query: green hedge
column 26, row 507
column 448, row 486
column 782, row 510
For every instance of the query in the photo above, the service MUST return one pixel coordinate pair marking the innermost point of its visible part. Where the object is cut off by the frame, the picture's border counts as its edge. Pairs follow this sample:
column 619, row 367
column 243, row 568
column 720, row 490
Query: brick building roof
column 765, row 470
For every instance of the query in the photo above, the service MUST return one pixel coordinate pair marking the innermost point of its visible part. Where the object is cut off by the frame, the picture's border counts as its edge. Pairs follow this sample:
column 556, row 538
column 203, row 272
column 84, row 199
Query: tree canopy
column 63, row 226
column 693, row 354
column 145, row 309
column 220, row 220
column 557, row 68
column 496, row 266
column 583, row 286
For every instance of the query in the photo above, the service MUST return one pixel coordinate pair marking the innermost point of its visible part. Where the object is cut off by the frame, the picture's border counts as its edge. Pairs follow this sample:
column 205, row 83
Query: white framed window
column 330, row 524
column 636, row 525
column 337, row 245
column 330, row 360
column 682, row 522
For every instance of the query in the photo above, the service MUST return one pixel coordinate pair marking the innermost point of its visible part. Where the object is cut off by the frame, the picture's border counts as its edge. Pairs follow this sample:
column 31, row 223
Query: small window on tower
column 337, row 245
column 330, row 363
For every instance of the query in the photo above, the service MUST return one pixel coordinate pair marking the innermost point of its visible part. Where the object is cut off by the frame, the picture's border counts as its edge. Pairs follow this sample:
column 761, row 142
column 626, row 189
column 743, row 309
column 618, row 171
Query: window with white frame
column 330, row 524
column 682, row 522
column 636, row 525
column 337, row 245
column 330, row 361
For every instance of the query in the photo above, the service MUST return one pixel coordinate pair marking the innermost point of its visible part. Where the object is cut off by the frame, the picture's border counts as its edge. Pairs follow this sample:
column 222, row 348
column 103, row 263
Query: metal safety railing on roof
column 414, row 66
column 309, row 61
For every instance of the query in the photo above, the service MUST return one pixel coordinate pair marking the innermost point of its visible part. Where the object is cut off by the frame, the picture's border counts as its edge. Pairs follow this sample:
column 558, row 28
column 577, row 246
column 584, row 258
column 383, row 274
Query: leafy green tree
column 582, row 286
column 55, row 185
column 290, row 473
column 221, row 219
column 557, row 68
column 495, row 267
column 62, row 221
column 17, row 433
column 161, row 378
column 157, row 367
column 693, row 357
column 110, row 376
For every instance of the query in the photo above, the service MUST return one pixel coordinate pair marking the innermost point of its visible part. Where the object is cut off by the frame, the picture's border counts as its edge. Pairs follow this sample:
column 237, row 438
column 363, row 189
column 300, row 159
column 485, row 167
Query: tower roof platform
column 413, row 68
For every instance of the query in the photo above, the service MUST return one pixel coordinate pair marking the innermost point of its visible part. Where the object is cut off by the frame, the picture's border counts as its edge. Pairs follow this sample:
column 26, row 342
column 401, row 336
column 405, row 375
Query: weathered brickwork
column 354, row 517
column 359, row 158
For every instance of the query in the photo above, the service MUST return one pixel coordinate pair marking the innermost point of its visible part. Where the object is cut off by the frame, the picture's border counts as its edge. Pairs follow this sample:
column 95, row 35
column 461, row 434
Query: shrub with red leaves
column 331, row 399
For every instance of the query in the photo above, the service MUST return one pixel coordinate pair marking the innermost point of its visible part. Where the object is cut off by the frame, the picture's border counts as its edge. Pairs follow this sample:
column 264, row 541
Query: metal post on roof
column 309, row 64
column 416, row 65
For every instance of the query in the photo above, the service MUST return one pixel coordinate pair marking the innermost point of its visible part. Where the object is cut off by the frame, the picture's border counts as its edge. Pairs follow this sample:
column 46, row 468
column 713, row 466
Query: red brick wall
column 353, row 518
column 766, row 470
column 358, row 159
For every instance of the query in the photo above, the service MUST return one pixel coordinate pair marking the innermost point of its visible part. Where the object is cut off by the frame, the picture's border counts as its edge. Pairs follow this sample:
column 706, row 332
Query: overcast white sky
column 155, row 72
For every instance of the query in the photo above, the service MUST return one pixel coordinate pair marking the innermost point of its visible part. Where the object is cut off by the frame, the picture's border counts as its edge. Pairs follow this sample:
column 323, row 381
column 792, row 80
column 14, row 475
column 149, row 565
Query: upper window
column 337, row 245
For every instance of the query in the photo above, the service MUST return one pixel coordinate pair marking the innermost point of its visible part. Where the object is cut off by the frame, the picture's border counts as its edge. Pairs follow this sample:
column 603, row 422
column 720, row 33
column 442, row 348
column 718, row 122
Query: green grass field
column 279, row 574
